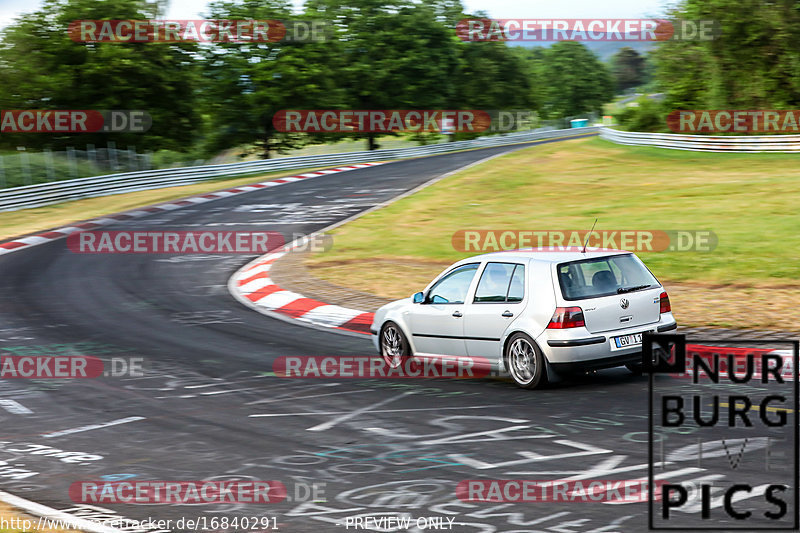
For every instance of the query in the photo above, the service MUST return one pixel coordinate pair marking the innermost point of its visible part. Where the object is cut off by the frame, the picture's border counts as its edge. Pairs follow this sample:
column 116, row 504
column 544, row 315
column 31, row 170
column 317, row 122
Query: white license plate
column 626, row 341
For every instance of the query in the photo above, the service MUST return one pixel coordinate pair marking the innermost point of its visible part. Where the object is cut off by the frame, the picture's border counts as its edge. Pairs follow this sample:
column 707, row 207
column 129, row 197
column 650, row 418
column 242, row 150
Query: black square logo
column 663, row 353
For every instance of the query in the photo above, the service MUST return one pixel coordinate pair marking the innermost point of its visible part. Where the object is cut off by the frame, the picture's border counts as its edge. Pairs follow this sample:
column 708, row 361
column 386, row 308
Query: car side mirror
column 418, row 298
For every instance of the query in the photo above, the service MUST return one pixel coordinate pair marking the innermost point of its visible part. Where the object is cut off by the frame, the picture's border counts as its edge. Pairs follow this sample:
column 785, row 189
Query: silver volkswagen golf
column 533, row 314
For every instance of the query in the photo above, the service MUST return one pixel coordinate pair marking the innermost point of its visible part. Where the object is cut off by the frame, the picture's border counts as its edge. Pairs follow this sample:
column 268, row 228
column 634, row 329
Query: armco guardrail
column 702, row 143
column 60, row 191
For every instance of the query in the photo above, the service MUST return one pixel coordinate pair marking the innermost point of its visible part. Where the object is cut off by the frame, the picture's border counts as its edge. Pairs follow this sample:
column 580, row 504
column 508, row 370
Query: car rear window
column 603, row 276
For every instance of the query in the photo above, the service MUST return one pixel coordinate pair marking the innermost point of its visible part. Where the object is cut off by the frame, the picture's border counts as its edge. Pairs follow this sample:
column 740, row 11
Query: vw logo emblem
column 624, row 303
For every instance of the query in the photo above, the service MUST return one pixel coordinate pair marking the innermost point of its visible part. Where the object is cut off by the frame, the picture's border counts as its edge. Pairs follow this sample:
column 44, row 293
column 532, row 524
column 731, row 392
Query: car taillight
column 567, row 317
column 665, row 306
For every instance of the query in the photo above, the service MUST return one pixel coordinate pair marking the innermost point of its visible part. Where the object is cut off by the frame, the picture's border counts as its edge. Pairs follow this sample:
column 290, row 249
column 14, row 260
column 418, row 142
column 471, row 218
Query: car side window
column 516, row 290
column 500, row 283
column 453, row 287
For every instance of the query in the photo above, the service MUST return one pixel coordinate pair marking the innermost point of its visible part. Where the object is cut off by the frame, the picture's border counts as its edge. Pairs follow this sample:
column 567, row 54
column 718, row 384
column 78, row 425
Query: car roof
column 547, row 255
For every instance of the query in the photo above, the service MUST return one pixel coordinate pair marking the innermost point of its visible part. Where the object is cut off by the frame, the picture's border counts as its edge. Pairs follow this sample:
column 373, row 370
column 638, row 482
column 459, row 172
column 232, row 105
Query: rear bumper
column 574, row 349
column 576, row 342
column 597, row 364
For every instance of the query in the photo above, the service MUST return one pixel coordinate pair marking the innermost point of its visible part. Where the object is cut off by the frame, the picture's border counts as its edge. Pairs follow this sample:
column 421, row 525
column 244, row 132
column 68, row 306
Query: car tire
column 525, row 362
column 394, row 347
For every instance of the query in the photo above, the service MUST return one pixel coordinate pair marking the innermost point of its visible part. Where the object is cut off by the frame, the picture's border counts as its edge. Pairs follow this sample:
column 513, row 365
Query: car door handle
column 457, row 314
column 508, row 314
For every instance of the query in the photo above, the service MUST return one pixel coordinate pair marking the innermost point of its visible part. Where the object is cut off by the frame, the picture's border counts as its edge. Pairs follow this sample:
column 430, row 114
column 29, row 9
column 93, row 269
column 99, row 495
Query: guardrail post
column 91, row 157
column 24, row 165
column 132, row 158
column 111, row 148
column 48, row 163
column 73, row 165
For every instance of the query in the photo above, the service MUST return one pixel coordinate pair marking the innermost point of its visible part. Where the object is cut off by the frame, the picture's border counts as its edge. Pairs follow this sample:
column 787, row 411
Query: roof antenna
column 587, row 237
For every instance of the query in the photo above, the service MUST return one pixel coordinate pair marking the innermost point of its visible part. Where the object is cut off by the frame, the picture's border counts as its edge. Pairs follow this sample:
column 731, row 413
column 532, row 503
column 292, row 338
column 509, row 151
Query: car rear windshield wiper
column 631, row 289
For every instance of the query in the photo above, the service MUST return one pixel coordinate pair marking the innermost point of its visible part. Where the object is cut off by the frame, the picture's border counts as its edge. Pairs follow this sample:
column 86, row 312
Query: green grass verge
column 748, row 200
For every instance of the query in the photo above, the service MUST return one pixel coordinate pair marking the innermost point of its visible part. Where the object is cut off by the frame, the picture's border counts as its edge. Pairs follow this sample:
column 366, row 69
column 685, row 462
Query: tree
column 751, row 64
column 493, row 76
column 647, row 114
column 532, row 65
column 247, row 84
column 42, row 68
column 628, row 68
column 396, row 54
column 576, row 81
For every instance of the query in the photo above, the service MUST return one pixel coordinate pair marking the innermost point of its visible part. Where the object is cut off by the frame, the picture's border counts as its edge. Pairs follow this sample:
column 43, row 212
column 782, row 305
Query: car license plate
column 626, row 341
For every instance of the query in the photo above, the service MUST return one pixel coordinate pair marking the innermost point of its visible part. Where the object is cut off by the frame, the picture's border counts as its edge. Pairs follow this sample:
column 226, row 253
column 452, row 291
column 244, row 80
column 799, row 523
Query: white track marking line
column 278, row 299
column 329, row 315
column 268, row 415
column 312, row 396
column 301, row 389
column 93, row 426
column 256, row 284
column 35, row 239
column 68, row 230
column 15, row 408
column 211, row 393
column 257, row 269
column 352, row 414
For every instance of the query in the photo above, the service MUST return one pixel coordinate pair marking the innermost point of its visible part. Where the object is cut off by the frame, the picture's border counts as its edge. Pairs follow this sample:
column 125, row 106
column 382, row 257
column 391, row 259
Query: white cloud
column 11, row 9
column 568, row 9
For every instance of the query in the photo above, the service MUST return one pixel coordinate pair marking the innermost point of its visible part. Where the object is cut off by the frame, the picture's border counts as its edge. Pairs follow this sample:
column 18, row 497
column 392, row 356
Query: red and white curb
column 48, row 236
column 253, row 287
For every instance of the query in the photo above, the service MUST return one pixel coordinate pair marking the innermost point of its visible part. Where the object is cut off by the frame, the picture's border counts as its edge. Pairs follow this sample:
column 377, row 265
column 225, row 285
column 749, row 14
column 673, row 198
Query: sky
column 532, row 9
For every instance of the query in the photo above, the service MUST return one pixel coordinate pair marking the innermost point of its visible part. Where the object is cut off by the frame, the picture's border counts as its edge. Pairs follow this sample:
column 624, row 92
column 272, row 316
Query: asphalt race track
column 209, row 409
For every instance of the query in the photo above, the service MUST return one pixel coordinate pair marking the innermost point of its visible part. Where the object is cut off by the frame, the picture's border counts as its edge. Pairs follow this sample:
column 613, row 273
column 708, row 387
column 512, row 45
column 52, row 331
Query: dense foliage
column 380, row 54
